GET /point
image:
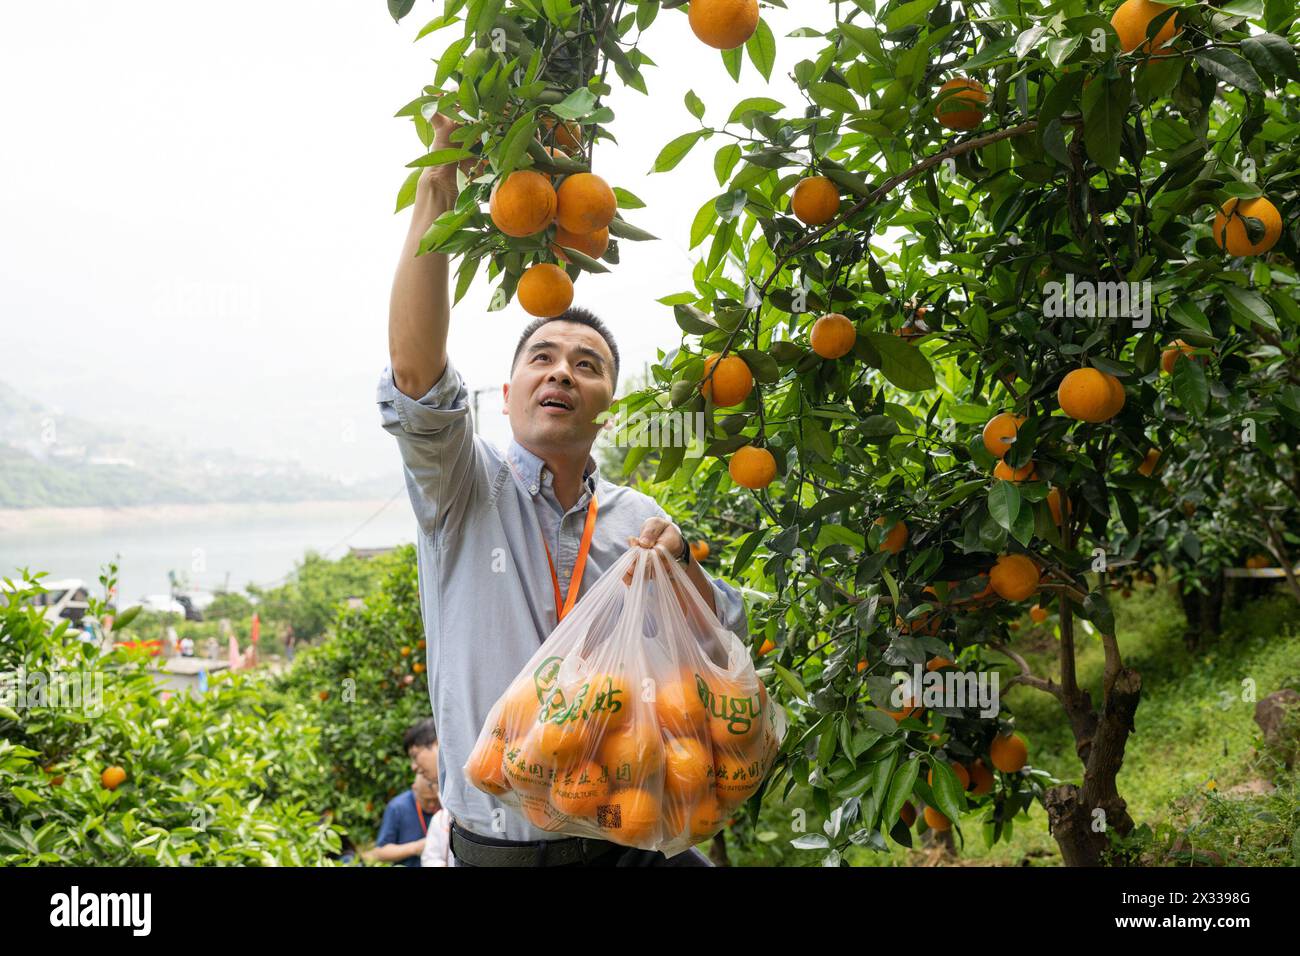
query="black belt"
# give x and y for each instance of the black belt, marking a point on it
(475, 850)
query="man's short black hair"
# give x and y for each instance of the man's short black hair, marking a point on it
(424, 734)
(573, 314)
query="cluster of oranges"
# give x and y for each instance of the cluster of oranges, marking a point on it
(1007, 752)
(592, 758)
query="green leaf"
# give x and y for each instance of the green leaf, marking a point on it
(1230, 68)
(746, 551)
(694, 104)
(1186, 313)
(1097, 609)
(1191, 387)
(1004, 503)
(903, 364)
(791, 681)
(439, 157)
(908, 14)
(1105, 103)
(399, 8)
(947, 790)
(1271, 54)
(676, 151)
(900, 788)
(755, 104)
(834, 97)
(1252, 306)
(761, 47)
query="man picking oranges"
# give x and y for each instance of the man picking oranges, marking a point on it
(508, 539)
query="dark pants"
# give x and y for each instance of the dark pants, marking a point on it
(615, 856)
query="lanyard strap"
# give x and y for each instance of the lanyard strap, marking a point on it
(419, 814)
(563, 606)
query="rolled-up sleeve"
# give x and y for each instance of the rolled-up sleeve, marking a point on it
(730, 607)
(438, 448)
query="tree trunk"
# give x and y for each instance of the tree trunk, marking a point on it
(1203, 610)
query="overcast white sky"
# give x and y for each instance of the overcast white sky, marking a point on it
(196, 212)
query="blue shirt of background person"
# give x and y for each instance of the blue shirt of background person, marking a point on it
(404, 822)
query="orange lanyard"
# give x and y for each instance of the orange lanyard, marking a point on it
(563, 606)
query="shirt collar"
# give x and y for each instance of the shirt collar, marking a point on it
(532, 470)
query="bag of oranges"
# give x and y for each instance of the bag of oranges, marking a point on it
(639, 721)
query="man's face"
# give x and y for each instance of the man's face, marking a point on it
(424, 761)
(426, 794)
(562, 381)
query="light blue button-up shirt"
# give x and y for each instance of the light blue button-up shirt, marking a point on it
(485, 586)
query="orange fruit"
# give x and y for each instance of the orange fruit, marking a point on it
(112, 777)
(1149, 462)
(522, 204)
(907, 710)
(936, 820)
(404, 650)
(679, 708)
(1170, 355)
(723, 24)
(324, 695)
(686, 768)
(1014, 577)
(528, 769)
(568, 137)
(632, 755)
(1000, 432)
(935, 663)
(767, 647)
(833, 336)
(1090, 395)
(981, 779)
(895, 538)
(699, 550)
(963, 775)
(1008, 753)
(1228, 221)
(730, 382)
(815, 201)
(1038, 613)
(519, 711)
(580, 789)
(1054, 504)
(734, 714)
(585, 203)
(964, 109)
(738, 770)
(706, 817)
(484, 770)
(862, 665)
(417, 667)
(562, 743)
(1007, 473)
(593, 244)
(927, 623)
(545, 290)
(907, 814)
(752, 467)
(1130, 22)
(632, 816)
(608, 701)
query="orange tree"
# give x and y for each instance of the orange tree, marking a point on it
(98, 769)
(951, 271)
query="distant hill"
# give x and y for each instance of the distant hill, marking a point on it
(48, 459)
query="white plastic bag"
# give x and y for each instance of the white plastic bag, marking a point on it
(640, 720)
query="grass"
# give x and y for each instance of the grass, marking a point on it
(1195, 739)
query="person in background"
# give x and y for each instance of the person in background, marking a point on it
(406, 821)
(437, 842)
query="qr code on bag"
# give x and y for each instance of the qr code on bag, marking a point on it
(610, 816)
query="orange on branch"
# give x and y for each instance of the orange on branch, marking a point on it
(568, 136)
(522, 204)
(1038, 613)
(723, 24)
(545, 290)
(1228, 223)
(815, 200)
(1169, 357)
(936, 821)
(1149, 463)
(1130, 21)
(1014, 577)
(752, 467)
(731, 380)
(1008, 753)
(981, 779)
(964, 109)
(1005, 472)
(593, 244)
(112, 777)
(1000, 433)
(895, 538)
(962, 774)
(833, 336)
(1090, 395)
(585, 203)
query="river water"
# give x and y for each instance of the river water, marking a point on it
(212, 546)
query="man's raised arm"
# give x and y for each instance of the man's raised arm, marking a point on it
(419, 310)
